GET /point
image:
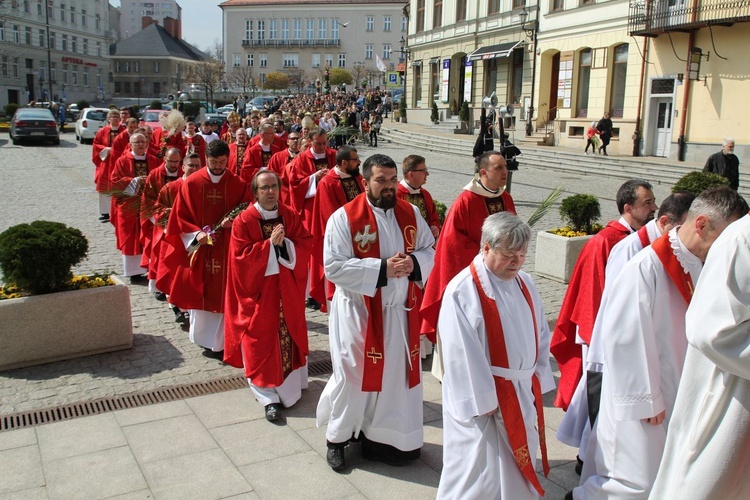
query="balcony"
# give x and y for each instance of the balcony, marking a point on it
(292, 43)
(654, 17)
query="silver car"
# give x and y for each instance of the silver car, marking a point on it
(34, 124)
(89, 122)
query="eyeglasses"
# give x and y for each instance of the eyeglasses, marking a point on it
(420, 170)
(274, 187)
(356, 158)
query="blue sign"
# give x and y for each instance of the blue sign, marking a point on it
(392, 78)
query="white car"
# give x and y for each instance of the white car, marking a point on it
(89, 122)
(225, 110)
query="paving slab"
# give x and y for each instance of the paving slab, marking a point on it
(17, 438)
(31, 494)
(151, 413)
(224, 408)
(168, 438)
(20, 469)
(257, 441)
(79, 436)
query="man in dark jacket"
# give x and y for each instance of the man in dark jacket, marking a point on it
(725, 163)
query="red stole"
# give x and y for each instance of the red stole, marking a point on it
(366, 245)
(507, 398)
(643, 236)
(681, 279)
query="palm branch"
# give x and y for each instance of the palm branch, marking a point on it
(546, 205)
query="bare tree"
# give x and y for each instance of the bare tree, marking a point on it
(208, 73)
(357, 73)
(374, 76)
(242, 76)
(216, 50)
(297, 78)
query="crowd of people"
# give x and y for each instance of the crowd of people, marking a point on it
(240, 230)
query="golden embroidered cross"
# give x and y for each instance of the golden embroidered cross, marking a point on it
(415, 352)
(214, 196)
(213, 266)
(374, 356)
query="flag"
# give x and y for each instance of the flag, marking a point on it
(380, 64)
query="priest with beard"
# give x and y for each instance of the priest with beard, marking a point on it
(377, 248)
(200, 223)
(266, 330)
(237, 151)
(128, 179)
(337, 188)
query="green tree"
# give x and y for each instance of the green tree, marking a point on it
(276, 80)
(340, 76)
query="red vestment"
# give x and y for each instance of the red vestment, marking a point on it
(333, 193)
(198, 281)
(280, 145)
(255, 160)
(104, 138)
(236, 157)
(265, 331)
(300, 170)
(161, 141)
(155, 181)
(196, 144)
(457, 246)
(227, 136)
(579, 308)
(278, 163)
(163, 209)
(127, 223)
(423, 201)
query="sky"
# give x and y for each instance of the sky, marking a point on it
(201, 21)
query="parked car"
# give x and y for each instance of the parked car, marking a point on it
(34, 124)
(225, 110)
(215, 118)
(258, 103)
(150, 117)
(89, 122)
(72, 112)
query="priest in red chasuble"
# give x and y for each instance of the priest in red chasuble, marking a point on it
(169, 171)
(237, 151)
(257, 156)
(198, 234)
(377, 248)
(128, 179)
(337, 188)
(495, 351)
(265, 329)
(411, 188)
(104, 161)
(280, 161)
(307, 170)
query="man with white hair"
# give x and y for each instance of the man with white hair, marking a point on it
(493, 421)
(644, 349)
(725, 164)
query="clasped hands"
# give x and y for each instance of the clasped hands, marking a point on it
(277, 235)
(399, 266)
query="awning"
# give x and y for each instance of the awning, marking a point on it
(416, 63)
(435, 60)
(493, 51)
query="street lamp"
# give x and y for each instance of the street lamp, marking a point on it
(531, 34)
(405, 56)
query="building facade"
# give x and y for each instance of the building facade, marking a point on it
(55, 49)
(304, 37)
(133, 11)
(153, 63)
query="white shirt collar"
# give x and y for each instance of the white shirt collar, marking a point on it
(214, 178)
(266, 214)
(135, 156)
(341, 173)
(409, 188)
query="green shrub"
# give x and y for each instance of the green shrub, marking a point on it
(698, 181)
(191, 110)
(434, 116)
(10, 109)
(402, 107)
(580, 212)
(155, 104)
(38, 257)
(463, 113)
(441, 210)
(82, 104)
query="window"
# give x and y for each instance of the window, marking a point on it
(420, 16)
(584, 77)
(342, 60)
(65, 74)
(62, 12)
(137, 66)
(437, 14)
(127, 66)
(157, 88)
(64, 46)
(157, 67)
(16, 36)
(285, 29)
(316, 60)
(97, 22)
(619, 74)
(368, 51)
(72, 15)
(261, 29)
(99, 78)
(248, 29)
(98, 49)
(250, 60)
(461, 10)
(38, 7)
(272, 29)
(264, 60)
(117, 67)
(370, 23)
(26, 6)
(335, 29)
(2, 31)
(310, 29)
(42, 72)
(137, 87)
(322, 29)
(126, 87)
(386, 51)
(290, 60)
(4, 66)
(41, 38)
(329, 60)
(53, 72)
(52, 40)
(83, 23)
(27, 35)
(235, 60)
(517, 4)
(85, 45)
(262, 79)
(297, 29)
(386, 23)
(404, 22)
(517, 76)
(74, 44)
(85, 77)
(14, 67)
(558, 4)
(493, 7)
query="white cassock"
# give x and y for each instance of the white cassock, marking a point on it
(644, 350)
(708, 443)
(575, 428)
(477, 459)
(393, 416)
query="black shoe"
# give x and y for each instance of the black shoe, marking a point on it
(312, 304)
(579, 465)
(335, 458)
(138, 279)
(569, 495)
(161, 297)
(273, 412)
(379, 457)
(104, 218)
(213, 354)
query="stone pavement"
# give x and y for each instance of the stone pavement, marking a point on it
(163, 450)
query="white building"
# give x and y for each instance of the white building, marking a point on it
(132, 13)
(308, 35)
(56, 49)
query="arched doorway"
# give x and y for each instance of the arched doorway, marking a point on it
(548, 84)
(457, 75)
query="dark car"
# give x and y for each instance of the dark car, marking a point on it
(34, 124)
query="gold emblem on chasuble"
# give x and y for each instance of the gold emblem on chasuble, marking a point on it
(266, 155)
(365, 238)
(141, 168)
(320, 163)
(494, 205)
(214, 196)
(418, 201)
(522, 456)
(410, 238)
(352, 188)
(213, 266)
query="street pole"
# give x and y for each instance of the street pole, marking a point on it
(49, 50)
